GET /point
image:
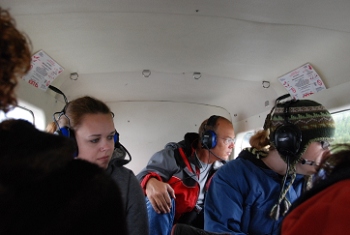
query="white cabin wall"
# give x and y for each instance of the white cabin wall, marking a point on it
(145, 127)
(45, 102)
(335, 98)
(253, 123)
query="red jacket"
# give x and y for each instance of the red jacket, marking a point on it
(173, 166)
(326, 212)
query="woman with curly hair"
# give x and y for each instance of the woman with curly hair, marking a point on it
(325, 208)
(14, 61)
(42, 190)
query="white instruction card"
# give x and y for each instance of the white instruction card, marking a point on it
(43, 71)
(302, 82)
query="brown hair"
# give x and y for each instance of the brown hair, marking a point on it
(78, 108)
(260, 140)
(14, 61)
(339, 159)
(51, 127)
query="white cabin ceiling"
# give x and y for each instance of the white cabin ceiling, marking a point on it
(235, 45)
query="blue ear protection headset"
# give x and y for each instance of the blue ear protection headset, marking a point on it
(209, 138)
(69, 133)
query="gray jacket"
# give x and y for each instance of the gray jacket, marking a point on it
(133, 197)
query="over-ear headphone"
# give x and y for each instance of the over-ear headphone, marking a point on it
(69, 133)
(116, 140)
(287, 137)
(209, 138)
(65, 130)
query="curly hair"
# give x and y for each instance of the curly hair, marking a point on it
(14, 61)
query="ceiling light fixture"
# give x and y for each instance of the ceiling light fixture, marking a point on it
(197, 75)
(74, 76)
(265, 84)
(146, 73)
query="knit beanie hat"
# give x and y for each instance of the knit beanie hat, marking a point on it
(293, 126)
(312, 121)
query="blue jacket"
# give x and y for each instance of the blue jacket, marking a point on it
(241, 195)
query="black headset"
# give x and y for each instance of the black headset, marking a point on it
(287, 137)
(209, 138)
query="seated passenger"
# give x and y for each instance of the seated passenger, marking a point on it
(325, 208)
(175, 179)
(44, 191)
(28, 151)
(251, 194)
(14, 61)
(90, 124)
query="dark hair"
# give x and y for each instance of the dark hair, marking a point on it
(260, 140)
(44, 191)
(336, 162)
(333, 169)
(14, 61)
(78, 198)
(27, 151)
(78, 108)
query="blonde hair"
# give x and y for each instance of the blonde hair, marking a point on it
(261, 141)
(51, 127)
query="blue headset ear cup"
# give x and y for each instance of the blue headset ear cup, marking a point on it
(65, 131)
(116, 137)
(116, 140)
(209, 139)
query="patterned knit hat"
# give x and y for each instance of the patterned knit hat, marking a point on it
(312, 120)
(293, 125)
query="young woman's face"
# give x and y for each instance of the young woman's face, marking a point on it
(315, 153)
(95, 139)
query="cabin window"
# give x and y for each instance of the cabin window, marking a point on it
(242, 141)
(27, 112)
(19, 112)
(342, 124)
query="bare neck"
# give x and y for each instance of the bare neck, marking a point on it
(205, 156)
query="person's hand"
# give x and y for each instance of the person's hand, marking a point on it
(159, 194)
